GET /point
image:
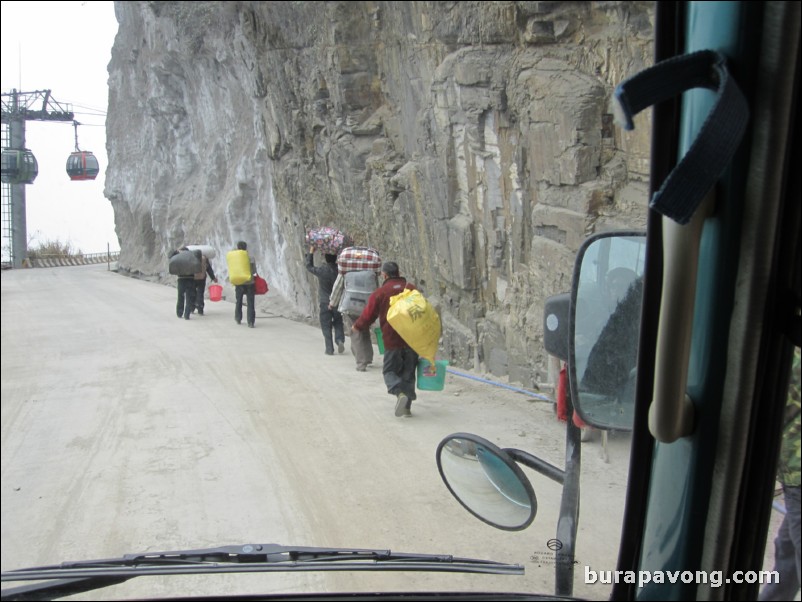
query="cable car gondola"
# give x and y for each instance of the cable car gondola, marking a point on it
(81, 165)
(19, 166)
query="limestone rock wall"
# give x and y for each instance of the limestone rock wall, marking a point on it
(471, 142)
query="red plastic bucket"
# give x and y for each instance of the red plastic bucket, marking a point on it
(215, 292)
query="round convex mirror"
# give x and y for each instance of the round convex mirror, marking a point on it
(486, 481)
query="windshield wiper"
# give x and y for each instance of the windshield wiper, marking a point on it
(86, 575)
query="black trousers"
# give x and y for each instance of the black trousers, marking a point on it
(249, 291)
(399, 371)
(186, 297)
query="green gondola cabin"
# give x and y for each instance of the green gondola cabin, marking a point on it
(19, 166)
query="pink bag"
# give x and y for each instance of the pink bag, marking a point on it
(327, 239)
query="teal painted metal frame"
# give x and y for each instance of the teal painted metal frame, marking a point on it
(682, 472)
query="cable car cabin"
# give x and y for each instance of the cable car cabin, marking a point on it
(18, 166)
(82, 165)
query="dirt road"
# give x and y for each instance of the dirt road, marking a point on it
(125, 429)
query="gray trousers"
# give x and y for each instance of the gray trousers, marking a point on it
(361, 346)
(331, 320)
(200, 291)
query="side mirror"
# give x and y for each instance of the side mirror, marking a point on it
(604, 328)
(486, 481)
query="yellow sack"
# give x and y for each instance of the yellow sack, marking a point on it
(239, 267)
(416, 321)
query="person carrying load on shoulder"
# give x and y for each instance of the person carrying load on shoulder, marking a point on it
(330, 318)
(358, 269)
(183, 264)
(200, 282)
(400, 360)
(241, 272)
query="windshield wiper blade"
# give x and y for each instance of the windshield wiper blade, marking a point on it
(263, 556)
(241, 558)
(59, 588)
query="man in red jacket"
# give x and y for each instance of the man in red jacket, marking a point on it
(400, 360)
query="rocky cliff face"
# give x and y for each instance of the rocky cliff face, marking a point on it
(471, 142)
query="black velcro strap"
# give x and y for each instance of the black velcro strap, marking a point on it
(718, 138)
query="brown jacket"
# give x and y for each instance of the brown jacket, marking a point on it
(207, 269)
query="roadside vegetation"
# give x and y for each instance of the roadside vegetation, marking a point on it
(53, 249)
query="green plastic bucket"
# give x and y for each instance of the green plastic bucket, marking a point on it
(431, 378)
(379, 340)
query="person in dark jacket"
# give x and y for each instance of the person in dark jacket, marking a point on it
(200, 282)
(330, 318)
(186, 292)
(400, 360)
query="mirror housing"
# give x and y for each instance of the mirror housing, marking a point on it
(604, 328)
(556, 317)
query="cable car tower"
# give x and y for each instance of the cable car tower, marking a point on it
(19, 166)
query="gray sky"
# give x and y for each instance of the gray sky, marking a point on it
(64, 47)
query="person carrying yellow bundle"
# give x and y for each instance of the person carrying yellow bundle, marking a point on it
(416, 320)
(239, 266)
(400, 360)
(241, 272)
